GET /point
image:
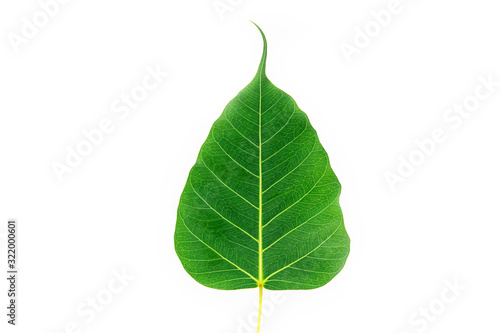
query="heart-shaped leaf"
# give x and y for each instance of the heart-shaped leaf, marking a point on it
(261, 204)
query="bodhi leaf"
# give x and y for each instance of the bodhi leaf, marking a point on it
(261, 204)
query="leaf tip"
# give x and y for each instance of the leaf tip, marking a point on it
(262, 65)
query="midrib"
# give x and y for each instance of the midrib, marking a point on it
(261, 268)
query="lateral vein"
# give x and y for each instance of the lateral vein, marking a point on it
(297, 227)
(250, 172)
(296, 202)
(199, 196)
(213, 173)
(317, 247)
(201, 241)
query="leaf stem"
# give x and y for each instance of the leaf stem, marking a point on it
(261, 291)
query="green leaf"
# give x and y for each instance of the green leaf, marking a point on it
(261, 204)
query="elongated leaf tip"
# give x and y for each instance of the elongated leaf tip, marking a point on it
(262, 66)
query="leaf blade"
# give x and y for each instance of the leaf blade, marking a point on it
(261, 206)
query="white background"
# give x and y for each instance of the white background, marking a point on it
(117, 209)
